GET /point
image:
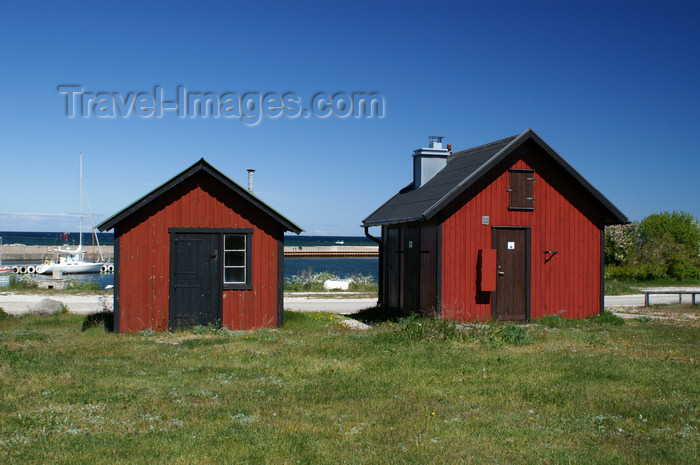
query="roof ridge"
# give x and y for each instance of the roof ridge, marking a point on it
(487, 145)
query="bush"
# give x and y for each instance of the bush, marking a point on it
(606, 318)
(514, 334)
(620, 242)
(662, 245)
(420, 328)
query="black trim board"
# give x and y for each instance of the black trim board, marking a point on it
(117, 286)
(616, 214)
(380, 255)
(171, 285)
(611, 214)
(528, 265)
(248, 285)
(438, 272)
(200, 166)
(280, 282)
(602, 269)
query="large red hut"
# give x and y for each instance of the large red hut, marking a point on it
(199, 249)
(506, 230)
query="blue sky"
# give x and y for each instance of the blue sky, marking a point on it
(611, 85)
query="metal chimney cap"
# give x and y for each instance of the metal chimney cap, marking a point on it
(435, 142)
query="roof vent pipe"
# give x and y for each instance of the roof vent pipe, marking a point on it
(251, 174)
(428, 161)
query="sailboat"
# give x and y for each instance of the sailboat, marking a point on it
(71, 261)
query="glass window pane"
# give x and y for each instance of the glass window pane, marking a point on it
(234, 242)
(234, 275)
(234, 258)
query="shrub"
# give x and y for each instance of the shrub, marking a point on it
(620, 242)
(606, 318)
(419, 328)
(514, 334)
(662, 245)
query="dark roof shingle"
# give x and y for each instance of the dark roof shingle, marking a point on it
(462, 170)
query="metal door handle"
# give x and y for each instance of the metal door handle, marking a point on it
(501, 273)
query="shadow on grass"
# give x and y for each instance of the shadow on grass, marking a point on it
(95, 320)
(378, 315)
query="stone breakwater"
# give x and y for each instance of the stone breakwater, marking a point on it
(32, 253)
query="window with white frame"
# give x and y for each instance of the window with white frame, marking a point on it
(236, 260)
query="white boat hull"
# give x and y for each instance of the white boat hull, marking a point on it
(70, 268)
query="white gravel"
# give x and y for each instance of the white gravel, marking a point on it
(18, 304)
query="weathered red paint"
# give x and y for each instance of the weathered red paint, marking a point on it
(563, 220)
(144, 250)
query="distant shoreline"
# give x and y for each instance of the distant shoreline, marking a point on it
(32, 253)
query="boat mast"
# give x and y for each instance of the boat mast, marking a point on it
(80, 242)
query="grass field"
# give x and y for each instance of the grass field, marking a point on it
(408, 391)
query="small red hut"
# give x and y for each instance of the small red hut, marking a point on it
(506, 230)
(199, 249)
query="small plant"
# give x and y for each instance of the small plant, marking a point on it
(313, 282)
(4, 314)
(418, 328)
(24, 281)
(514, 334)
(606, 318)
(78, 286)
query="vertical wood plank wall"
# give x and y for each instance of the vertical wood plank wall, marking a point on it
(565, 219)
(144, 267)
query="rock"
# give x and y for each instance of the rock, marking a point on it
(46, 307)
(336, 284)
(354, 324)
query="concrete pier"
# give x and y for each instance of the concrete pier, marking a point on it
(332, 251)
(34, 253)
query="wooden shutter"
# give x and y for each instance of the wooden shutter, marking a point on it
(522, 190)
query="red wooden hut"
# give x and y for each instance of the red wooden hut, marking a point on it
(506, 230)
(199, 249)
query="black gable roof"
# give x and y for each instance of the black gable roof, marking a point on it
(200, 166)
(462, 170)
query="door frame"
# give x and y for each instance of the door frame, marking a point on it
(528, 268)
(219, 285)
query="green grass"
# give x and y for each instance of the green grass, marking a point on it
(406, 391)
(623, 287)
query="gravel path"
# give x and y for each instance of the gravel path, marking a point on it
(18, 304)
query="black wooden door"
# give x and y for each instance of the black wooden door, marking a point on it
(410, 246)
(512, 297)
(195, 280)
(392, 259)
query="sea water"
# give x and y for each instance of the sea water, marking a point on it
(343, 267)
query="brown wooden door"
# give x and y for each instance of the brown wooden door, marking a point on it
(512, 299)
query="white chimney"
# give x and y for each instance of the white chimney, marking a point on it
(428, 161)
(251, 173)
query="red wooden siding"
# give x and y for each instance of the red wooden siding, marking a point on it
(564, 220)
(144, 267)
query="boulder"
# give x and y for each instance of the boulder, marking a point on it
(336, 284)
(46, 307)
